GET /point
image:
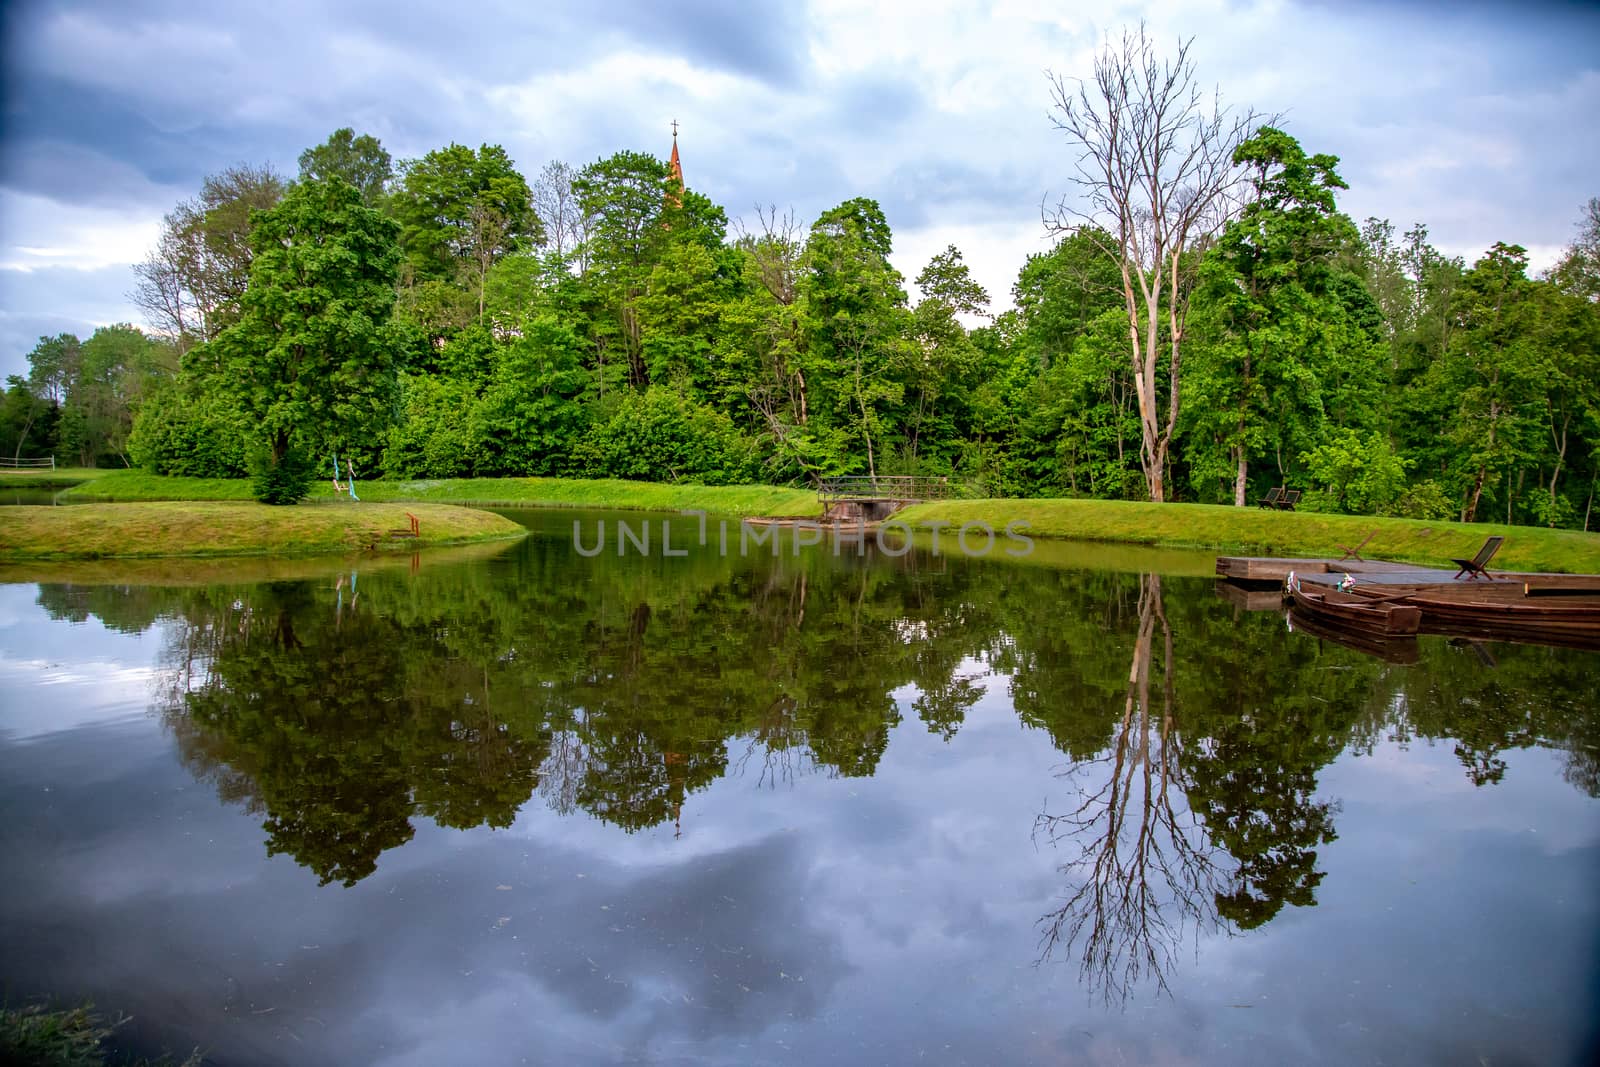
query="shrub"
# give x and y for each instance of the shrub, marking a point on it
(1425, 500)
(664, 436)
(1355, 474)
(194, 436)
(284, 479)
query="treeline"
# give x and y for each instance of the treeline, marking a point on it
(447, 317)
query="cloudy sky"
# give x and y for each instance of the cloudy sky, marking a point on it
(1475, 118)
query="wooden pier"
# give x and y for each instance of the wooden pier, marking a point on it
(1554, 609)
(1396, 577)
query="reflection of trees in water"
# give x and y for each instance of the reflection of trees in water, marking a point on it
(461, 693)
(1199, 810)
(341, 720)
(1147, 869)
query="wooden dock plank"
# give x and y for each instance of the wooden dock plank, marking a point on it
(1271, 569)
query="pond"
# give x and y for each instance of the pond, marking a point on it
(527, 804)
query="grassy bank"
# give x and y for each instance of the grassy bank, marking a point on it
(48, 479)
(1243, 531)
(238, 570)
(142, 530)
(1256, 532)
(736, 500)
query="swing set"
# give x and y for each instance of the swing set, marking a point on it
(349, 486)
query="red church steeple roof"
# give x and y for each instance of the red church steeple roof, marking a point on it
(676, 167)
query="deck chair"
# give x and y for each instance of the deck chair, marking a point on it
(1474, 568)
(1355, 553)
(1291, 497)
(1274, 495)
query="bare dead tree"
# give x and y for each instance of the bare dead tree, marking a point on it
(1155, 172)
(489, 230)
(189, 286)
(776, 246)
(1147, 869)
(778, 392)
(557, 207)
(562, 772)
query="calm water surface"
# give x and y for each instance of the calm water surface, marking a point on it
(518, 805)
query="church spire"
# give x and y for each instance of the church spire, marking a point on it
(676, 194)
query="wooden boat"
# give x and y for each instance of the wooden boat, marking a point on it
(1402, 650)
(1568, 617)
(1528, 616)
(1354, 612)
(1588, 641)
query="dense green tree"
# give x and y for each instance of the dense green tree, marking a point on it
(858, 331)
(663, 435)
(311, 360)
(1076, 412)
(361, 161)
(1281, 323)
(27, 421)
(624, 197)
(944, 366)
(1578, 272)
(115, 371)
(192, 429)
(53, 364)
(462, 211)
(530, 414)
(1492, 372)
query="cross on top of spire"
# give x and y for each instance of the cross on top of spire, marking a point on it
(675, 168)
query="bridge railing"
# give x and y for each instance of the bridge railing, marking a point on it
(885, 487)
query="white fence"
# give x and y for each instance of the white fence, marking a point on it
(46, 464)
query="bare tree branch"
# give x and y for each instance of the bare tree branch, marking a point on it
(1155, 171)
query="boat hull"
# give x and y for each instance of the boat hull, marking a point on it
(1358, 613)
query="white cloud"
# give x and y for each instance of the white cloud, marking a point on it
(46, 231)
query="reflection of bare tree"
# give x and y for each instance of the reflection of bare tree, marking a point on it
(189, 647)
(782, 741)
(563, 769)
(1148, 870)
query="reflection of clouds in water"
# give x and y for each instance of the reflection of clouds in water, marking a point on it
(817, 918)
(36, 648)
(642, 956)
(16, 608)
(40, 697)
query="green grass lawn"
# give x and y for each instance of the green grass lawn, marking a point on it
(736, 500)
(1226, 530)
(210, 528)
(1259, 532)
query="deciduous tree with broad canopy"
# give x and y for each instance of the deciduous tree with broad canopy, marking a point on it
(311, 360)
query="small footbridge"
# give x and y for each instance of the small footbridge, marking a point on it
(864, 498)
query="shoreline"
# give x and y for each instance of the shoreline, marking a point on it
(1215, 528)
(211, 529)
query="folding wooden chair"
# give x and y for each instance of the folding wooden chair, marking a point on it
(1274, 495)
(1355, 553)
(1290, 498)
(1474, 568)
